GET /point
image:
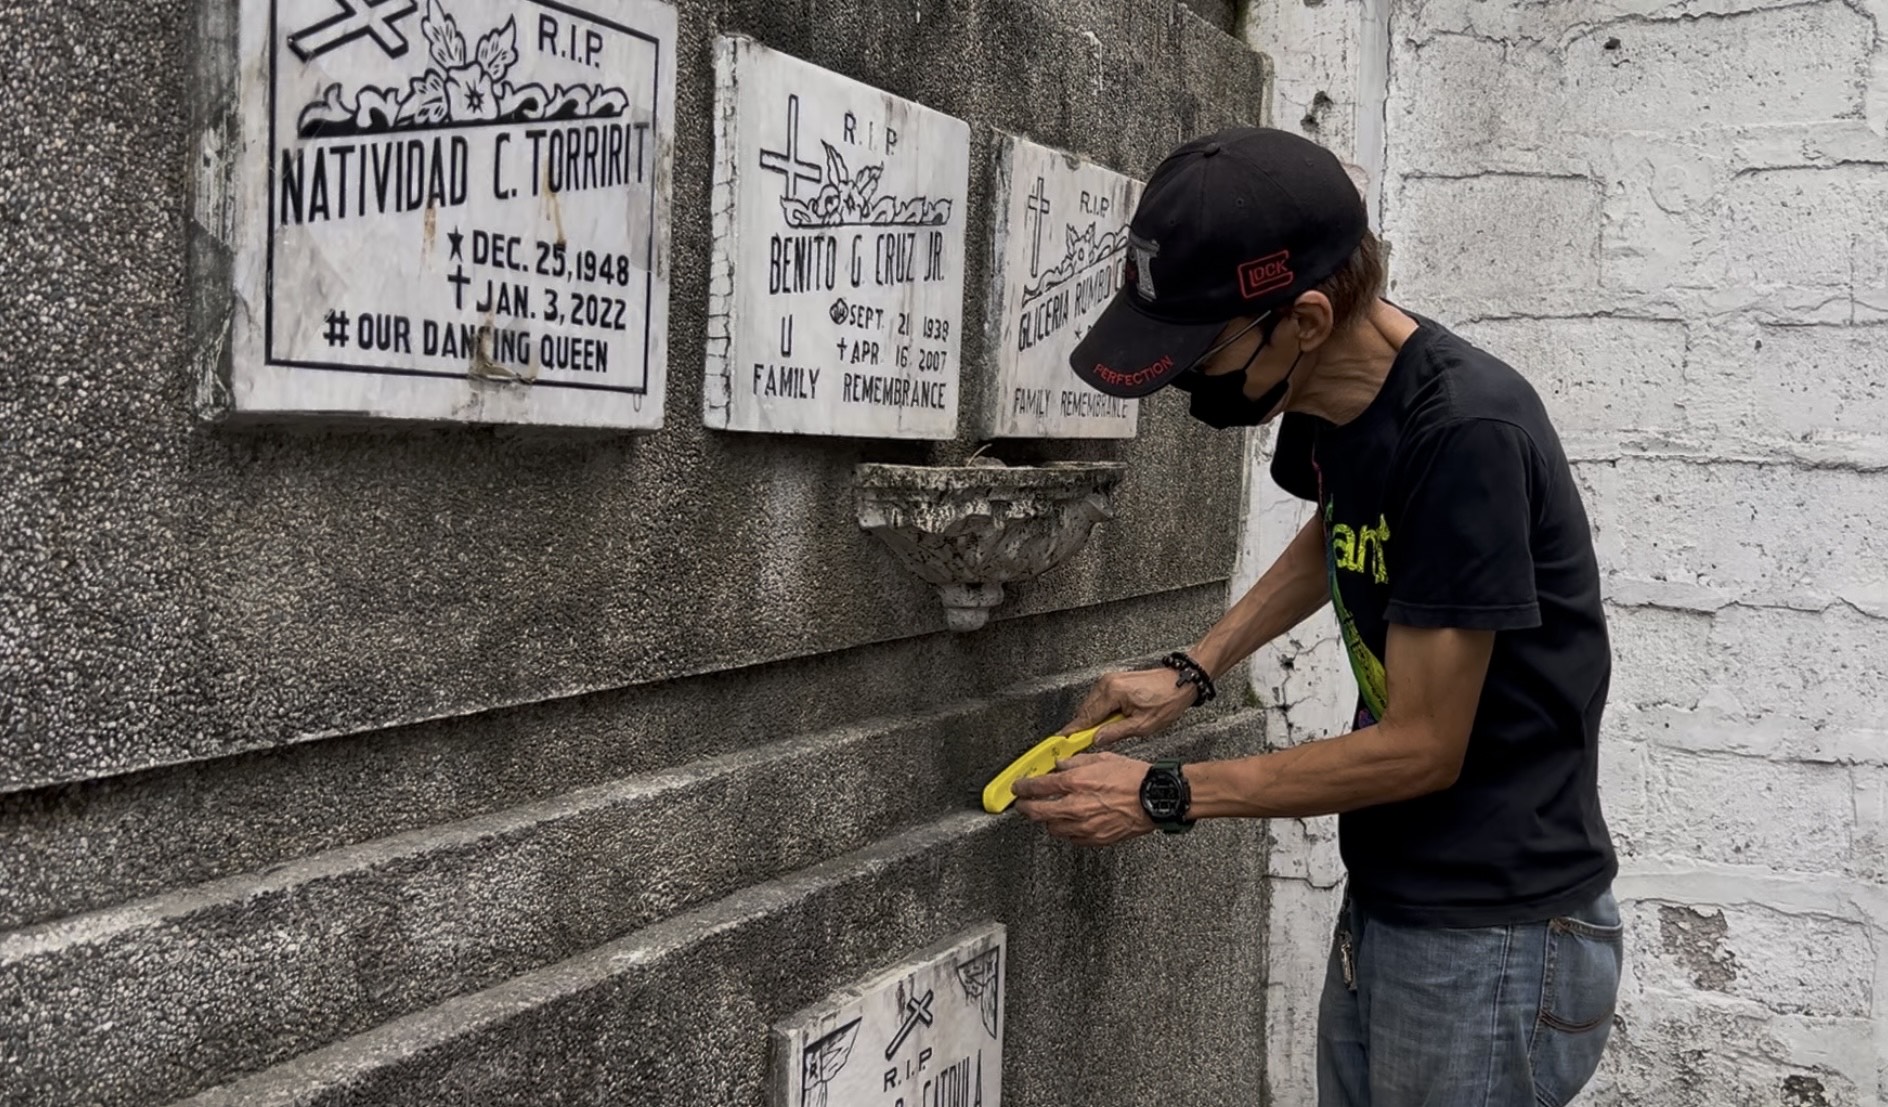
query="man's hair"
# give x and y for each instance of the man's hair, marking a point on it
(1357, 283)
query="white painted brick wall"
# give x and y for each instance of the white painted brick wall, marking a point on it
(1475, 232)
(1821, 380)
(1673, 217)
(1595, 373)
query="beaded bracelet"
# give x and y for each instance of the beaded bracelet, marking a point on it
(1192, 673)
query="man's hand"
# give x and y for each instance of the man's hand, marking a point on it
(1092, 799)
(1147, 701)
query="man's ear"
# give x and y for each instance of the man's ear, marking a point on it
(1314, 317)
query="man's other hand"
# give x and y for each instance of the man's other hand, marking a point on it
(1147, 701)
(1092, 799)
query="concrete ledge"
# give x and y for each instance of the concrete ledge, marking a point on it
(92, 845)
(683, 1005)
(247, 971)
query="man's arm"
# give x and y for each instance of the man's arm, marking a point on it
(1291, 590)
(1434, 684)
(1149, 701)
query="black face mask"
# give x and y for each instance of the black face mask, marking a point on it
(1221, 401)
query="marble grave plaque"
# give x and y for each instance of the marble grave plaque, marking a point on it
(925, 1033)
(836, 295)
(1060, 245)
(450, 210)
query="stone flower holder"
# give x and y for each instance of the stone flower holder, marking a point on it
(968, 530)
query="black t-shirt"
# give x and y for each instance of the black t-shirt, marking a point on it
(1449, 503)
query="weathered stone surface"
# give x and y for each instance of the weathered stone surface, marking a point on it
(1300, 926)
(1223, 14)
(323, 727)
(1671, 74)
(641, 1013)
(1625, 786)
(1796, 650)
(1585, 79)
(339, 942)
(970, 530)
(1869, 861)
(1481, 136)
(1823, 207)
(100, 843)
(1795, 381)
(176, 593)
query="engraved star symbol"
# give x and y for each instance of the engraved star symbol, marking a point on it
(458, 240)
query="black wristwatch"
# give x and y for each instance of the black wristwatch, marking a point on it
(1166, 797)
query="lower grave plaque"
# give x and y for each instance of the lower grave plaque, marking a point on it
(444, 210)
(837, 284)
(925, 1033)
(1061, 243)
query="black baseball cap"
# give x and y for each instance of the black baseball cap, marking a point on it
(1234, 223)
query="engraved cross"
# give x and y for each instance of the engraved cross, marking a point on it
(787, 162)
(355, 19)
(916, 1011)
(1038, 212)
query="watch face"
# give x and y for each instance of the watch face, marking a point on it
(1160, 794)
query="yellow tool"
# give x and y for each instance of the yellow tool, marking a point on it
(999, 793)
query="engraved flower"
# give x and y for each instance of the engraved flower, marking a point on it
(425, 102)
(826, 205)
(469, 94)
(823, 1060)
(498, 50)
(464, 84)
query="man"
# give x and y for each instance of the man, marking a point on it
(1477, 954)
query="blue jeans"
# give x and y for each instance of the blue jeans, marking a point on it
(1503, 1016)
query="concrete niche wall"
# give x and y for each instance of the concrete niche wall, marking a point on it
(458, 764)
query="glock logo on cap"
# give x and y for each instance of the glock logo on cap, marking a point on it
(1140, 267)
(1266, 274)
